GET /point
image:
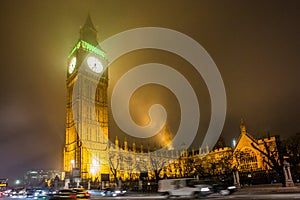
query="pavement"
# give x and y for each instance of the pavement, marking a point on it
(250, 190)
(255, 189)
(268, 189)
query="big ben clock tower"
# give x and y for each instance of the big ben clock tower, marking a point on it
(85, 151)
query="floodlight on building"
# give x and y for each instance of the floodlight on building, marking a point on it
(233, 142)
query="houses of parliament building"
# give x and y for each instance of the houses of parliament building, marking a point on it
(89, 155)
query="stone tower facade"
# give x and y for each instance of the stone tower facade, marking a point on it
(85, 151)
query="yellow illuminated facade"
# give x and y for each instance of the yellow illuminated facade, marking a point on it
(246, 157)
(191, 163)
(85, 151)
(88, 155)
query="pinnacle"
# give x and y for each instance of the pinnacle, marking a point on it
(89, 24)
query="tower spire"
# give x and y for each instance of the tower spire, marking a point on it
(243, 126)
(117, 142)
(88, 32)
(89, 23)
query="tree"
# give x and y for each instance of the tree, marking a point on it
(157, 164)
(190, 169)
(225, 163)
(199, 167)
(212, 167)
(273, 156)
(292, 145)
(132, 165)
(220, 143)
(114, 163)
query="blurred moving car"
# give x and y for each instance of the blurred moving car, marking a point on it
(7, 193)
(29, 193)
(17, 193)
(82, 193)
(112, 192)
(184, 187)
(40, 193)
(52, 191)
(192, 187)
(223, 189)
(64, 194)
(76, 193)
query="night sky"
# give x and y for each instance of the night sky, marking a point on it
(255, 45)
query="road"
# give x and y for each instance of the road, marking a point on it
(282, 196)
(217, 197)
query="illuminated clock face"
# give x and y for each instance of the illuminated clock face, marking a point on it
(72, 65)
(95, 64)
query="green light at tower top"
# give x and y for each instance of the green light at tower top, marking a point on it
(88, 47)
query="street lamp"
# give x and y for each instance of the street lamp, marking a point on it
(95, 167)
(72, 163)
(17, 182)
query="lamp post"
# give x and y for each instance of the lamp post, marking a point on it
(236, 177)
(71, 178)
